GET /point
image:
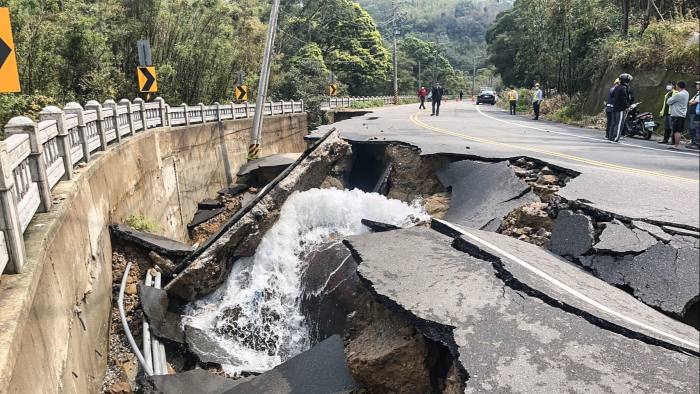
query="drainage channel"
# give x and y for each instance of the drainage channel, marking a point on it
(277, 279)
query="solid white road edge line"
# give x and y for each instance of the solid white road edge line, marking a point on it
(568, 289)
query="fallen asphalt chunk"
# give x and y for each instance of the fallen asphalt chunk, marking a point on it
(508, 337)
(260, 172)
(618, 239)
(681, 231)
(234, 190)
(573, 234)
(209, 203)
(203, 216)
(161, 245)
(654, 230)
(194, 381)
(321, 370)
(483, 193)
(379, 227)
(163, 323)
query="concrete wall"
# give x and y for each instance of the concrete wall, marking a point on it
(54, 317)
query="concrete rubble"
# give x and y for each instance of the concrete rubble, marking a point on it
(510, 330)
(240, 239)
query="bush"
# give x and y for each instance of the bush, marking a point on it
(140, 223)
(367, 104)
(12, 105)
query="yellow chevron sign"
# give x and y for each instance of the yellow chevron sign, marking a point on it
(9, 77)
(241, 93)
(332, 89)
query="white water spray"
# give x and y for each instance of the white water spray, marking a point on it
(255, 315)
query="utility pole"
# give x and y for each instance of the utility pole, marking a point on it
(474, 78)
(437, 43)
(396, 32)
(419, 79)
(254, 148)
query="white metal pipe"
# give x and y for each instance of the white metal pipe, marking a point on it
(125, 325)
(148, 354)
(162, 360)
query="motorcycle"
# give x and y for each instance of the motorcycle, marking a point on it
(639, 124)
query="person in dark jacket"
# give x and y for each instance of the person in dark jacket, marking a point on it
(437, 93)
(666, 111)
(609, 109)
(621, 102)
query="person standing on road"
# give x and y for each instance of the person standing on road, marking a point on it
(620, 100)
(461, 95)
(422, 94)
(609, 109)
(513, 99)
(537, 98)
(679, 109)
(666, 111)
(437, 93)
(695, 119)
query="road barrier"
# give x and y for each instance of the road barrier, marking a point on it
(345, 102)
(34, 157)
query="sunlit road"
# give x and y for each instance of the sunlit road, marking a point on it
(635, 179)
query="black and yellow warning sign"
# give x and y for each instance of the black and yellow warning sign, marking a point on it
(147, 79)
(241, 93)
(253, 151)
(9, 77)
(332, 89)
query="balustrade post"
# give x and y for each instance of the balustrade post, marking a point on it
(115, 113)
(233, 110)
(168, 115)
(76, 109)
(37, 162)
(141, 111)
(302, 106)
(93, 105)
(187, 114)
(247, 113)
(130, 115)
(218, 111)
(55, 113)
(11, 224)
(164, 121)
(202, 112)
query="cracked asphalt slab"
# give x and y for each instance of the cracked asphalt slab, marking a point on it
(636, 179)
(509, 338)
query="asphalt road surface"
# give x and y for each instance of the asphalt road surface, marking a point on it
(636, 179)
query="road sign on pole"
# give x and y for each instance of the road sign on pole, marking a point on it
(147, 79)
(241, 78)
(144, 47)
(9, 76)
(241, 93)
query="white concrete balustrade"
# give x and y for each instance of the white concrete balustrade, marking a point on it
(35, 156)
(345, 102)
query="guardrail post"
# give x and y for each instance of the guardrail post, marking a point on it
(55, 113)
(115, 112)
(233, 110)
(302, 106)
(130, 115)
(164, 120)
(11, 225)
(93, 105)
(37, 163)
(247, 113)
(75, 108)
(218, 111)
(168, 115)
(203, 112)
(187, 114)
(142, 112)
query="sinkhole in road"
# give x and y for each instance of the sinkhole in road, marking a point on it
(257, 314)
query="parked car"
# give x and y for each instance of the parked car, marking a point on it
(487, 97)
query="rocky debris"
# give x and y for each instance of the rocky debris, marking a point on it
(413, 175)
(544, 181)
(618, 239)
(437, 205)
(241, 235)
(483, 193)
(681, 231)
(260, 172)
(163, 322)
(498, 322)
(573, 234)
(378, 227)
(152, 242)
(194, 381)
(529, 223)
(231, 205)
(655, 231)
(119, 388)
(166, 266)
(320, 370)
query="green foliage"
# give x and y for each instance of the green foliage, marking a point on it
(367, 104)
(140, 223)
(12, 105)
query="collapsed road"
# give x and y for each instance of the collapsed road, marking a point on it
(506, 293)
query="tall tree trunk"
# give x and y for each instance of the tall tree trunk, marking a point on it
(625, 16)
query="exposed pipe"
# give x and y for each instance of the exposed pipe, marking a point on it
(148, 354)
(125, 325)
(159, 346)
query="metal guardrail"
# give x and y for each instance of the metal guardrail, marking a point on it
(36, 156)
(345, 102)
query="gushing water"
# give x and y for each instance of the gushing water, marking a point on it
(255, 315)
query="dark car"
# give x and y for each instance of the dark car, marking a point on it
(487, 97)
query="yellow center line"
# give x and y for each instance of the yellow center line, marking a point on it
(414, 119)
